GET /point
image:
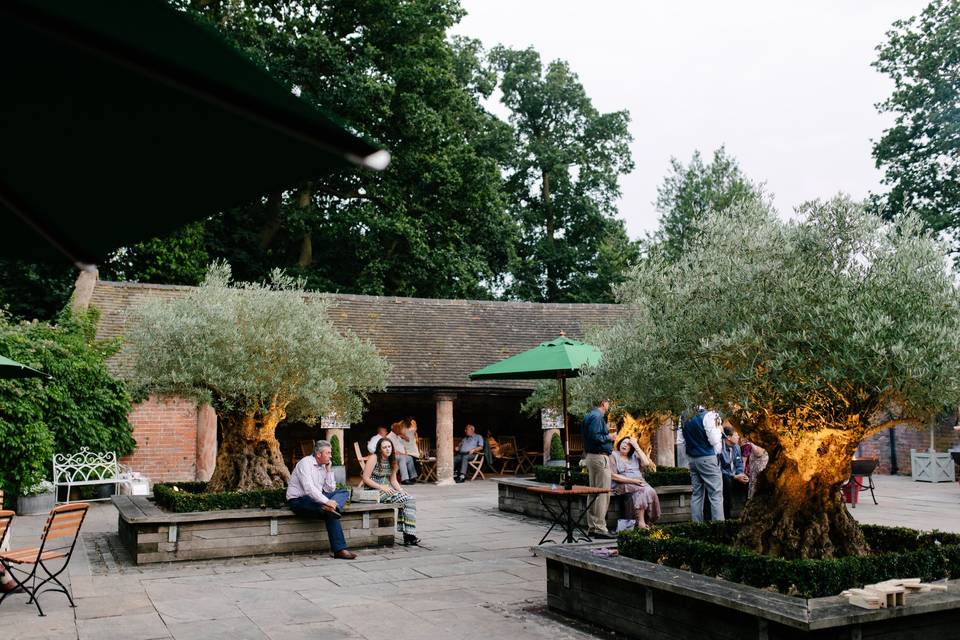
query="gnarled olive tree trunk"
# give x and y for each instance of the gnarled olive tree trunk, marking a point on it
(249, 456)
(797, 510)
(641, 429)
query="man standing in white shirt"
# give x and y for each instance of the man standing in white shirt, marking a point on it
(313, 492)
(702, 439)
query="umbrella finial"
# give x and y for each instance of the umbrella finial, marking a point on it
(563, 333)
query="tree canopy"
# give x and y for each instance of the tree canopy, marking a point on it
(253, 347)
(920, 153)
(689, 193)
(809, 335)
(563, 182)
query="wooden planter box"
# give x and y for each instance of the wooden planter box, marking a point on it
(935, 467)
(152, 535)
(674, 502)
(653, 602)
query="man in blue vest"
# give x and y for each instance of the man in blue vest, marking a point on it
(701, 437)
(597, 447)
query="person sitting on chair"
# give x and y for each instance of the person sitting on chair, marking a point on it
(471, 445)
(313, 492)
(401, 448)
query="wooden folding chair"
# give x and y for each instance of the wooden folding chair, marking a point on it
(476, 463)
(507, 455)
(361, 459)
(61, 529)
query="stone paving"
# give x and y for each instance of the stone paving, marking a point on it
(474, 577)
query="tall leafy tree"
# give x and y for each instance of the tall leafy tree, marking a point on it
(563, 182)
(261, 353)
(35, 290)
(920, 153)
(689, 193)
(434, 223)
(809, 336)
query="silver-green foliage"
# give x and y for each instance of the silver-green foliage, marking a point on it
(838, 312)
(253, 347)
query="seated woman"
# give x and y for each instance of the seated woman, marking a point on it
(625, 470)
(380, 472)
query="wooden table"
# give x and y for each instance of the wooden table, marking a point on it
(563, 514)
(428, 469)
(526, 460)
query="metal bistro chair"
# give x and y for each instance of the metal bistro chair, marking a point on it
(63, 526)
(862, 468)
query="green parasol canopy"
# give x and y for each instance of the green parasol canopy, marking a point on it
(12, 369)
(562, 357)
(122, 121)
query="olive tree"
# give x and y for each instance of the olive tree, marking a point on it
(261, 353)
(809, 336)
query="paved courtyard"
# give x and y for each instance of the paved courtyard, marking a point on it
(474, 577)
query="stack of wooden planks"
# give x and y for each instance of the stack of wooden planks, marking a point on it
(889, 593)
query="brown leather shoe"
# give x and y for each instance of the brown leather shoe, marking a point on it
(344, 554)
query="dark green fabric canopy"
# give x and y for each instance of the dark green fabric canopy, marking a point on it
(12, 369)
(122, 121)
(562, 357)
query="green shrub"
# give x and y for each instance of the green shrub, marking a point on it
(336, 458)
(706, 548)
(664, 476)
(556, 448)
(82, 405)
(191, 496)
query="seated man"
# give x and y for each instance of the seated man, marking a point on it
(372, 442)
(313, 492)
(470, 445)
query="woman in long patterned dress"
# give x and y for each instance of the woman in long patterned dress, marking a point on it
(625, 470)
(380, 472)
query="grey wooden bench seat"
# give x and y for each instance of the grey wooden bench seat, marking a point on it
(152, 535)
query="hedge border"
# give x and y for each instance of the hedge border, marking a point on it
(192, 496)
(706, 548)
(663, 476)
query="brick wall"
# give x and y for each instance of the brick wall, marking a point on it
(166, 433)
(906, 438)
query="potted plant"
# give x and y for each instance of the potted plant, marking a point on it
(36, 499)
(336, 458)
(557, 454)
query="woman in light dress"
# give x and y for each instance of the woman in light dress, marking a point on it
(380, 472)
(626, 465)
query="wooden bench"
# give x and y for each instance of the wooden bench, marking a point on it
(86, 468)
(152, 535)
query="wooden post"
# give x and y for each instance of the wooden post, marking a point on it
(444, 437)
(664, 444)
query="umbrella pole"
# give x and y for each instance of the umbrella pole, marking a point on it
(567, 478)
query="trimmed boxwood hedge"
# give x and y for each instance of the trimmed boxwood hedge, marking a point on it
(706, 548)
(191, 496)
(663, 476)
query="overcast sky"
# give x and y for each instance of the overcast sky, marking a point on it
(786, 86)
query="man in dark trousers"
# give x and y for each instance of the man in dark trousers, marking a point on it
(597, 447)
(701, 437)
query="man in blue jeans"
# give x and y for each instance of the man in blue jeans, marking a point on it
(312, 492)
(701, 437)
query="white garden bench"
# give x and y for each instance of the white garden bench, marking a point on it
(86, 468)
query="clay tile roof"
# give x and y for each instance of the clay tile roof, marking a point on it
(429, 343)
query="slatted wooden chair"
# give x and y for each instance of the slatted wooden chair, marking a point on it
(476, 461)
(51, 558)
(506, 455)
(361, 460)
(6, 519)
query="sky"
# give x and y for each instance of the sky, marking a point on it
(786, 86)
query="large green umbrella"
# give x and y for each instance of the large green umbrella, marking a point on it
(561, 358)
(122, 121)
(12, 369)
